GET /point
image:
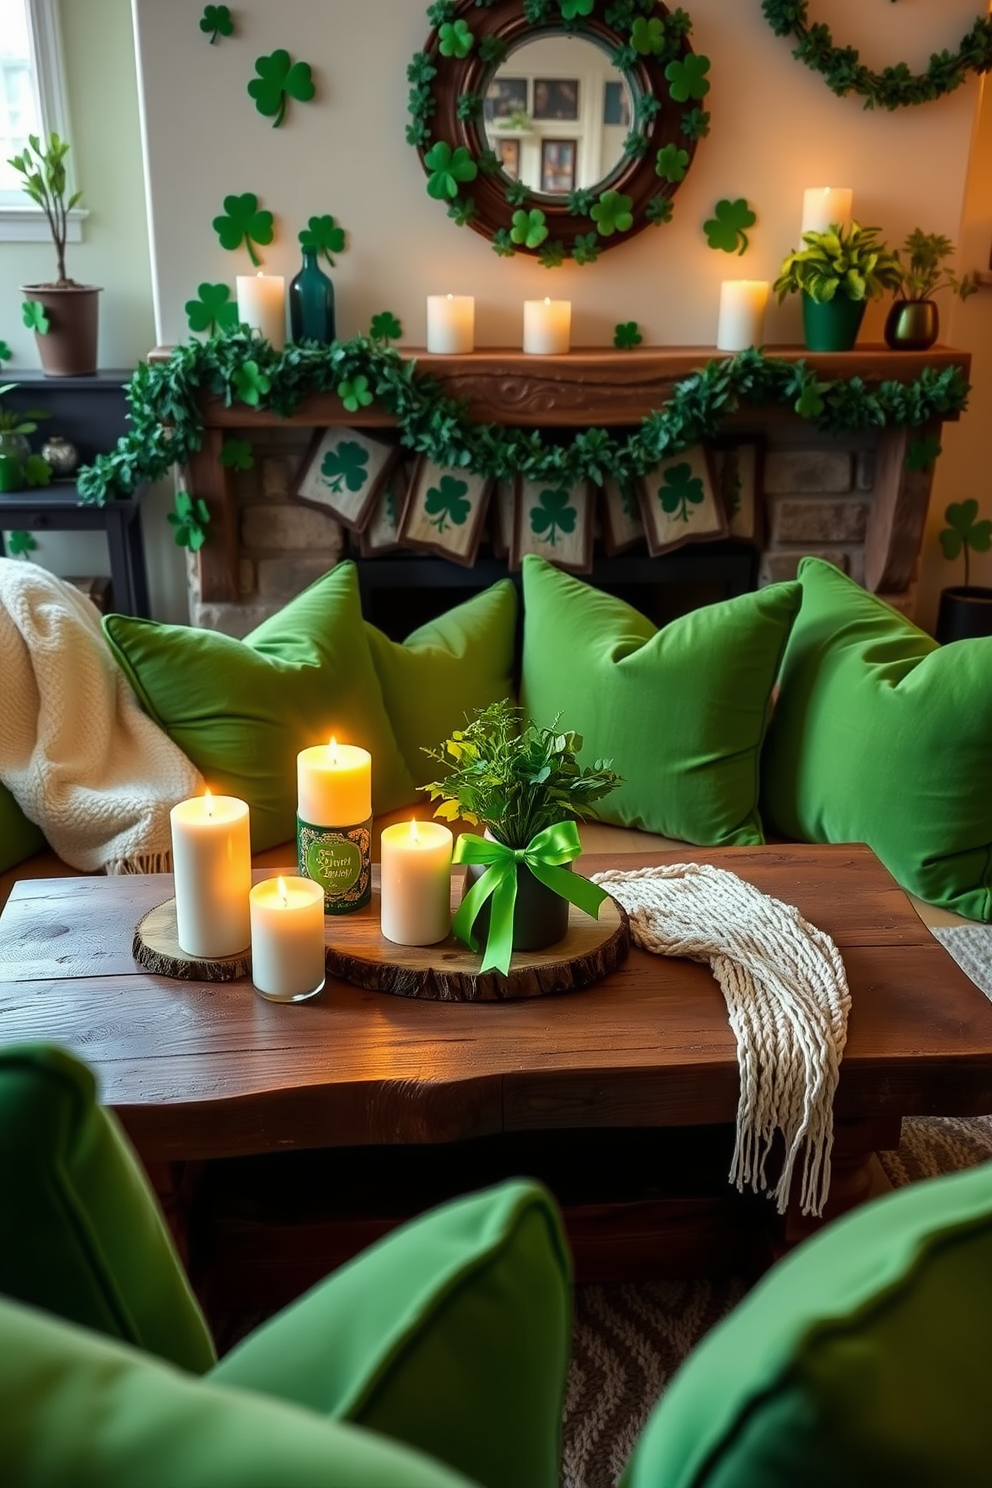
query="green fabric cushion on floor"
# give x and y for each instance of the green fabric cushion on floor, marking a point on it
(862, 1359)
(681, 712)
(882, 736)
(80, 1232)
(19, 838)
(450, 1334)
(440, 675)
(243, 710)
(82, 1410)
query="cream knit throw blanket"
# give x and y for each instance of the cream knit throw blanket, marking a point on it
(76, 751)
(786, 992)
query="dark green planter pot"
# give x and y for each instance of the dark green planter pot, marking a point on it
(833, 326)
(964, 614)
(912, 325)
(540, 917)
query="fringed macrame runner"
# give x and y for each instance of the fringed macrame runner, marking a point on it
(787, 998)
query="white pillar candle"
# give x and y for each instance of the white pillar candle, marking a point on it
(416, 883)
(826, 206)
(742, 314)
(262, 305)
(211, 861)
(334, 784)
(287, 938)
(450, 323)
(547, 326)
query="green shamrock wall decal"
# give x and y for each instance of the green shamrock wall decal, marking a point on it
(323, 235)
(279, 79)
(572, 9)
(922, 453)
(354, 393)
(726, 228)
(37, 471)
(552, 515)
(687, 78)
(447, 168)
(612, 213)
(236, 454)
(529, 228)
(343, 468)
(385, 328)
(5, 352)
(189, 521)
(672, 163)
(34, 317)
(250, 382)
(455, 39)
(20, 544)
(626, 335)
(244, 222)
(680, 489)
(216, 22)
(648, 37)
(213, 310)
(964, 533)
(447, 502)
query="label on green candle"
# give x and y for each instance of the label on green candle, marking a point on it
(340, 860)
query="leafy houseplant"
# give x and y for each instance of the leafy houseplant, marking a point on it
(913, 322)
(837, 273)
(966, 609)
(62, 313)
(15, 451)
(527, 788)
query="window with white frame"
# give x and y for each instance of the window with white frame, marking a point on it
(32, 101)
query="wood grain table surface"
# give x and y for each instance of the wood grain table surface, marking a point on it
(199, 1070)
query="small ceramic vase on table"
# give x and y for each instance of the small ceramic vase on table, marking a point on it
(311, 302)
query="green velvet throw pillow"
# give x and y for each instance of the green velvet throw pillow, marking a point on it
(81, 1233)
(451, 1335)
(882, 736)
(441, 674)
(243, 710)
(89, 1411)
(19, 838)
(862, 1359)
(681, 712)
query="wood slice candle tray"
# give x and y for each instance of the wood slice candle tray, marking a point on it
(449, 972)
(156, 947)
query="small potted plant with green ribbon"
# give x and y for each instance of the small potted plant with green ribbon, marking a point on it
(525, 786)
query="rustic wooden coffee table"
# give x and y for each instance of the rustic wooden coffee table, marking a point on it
(204, 1072)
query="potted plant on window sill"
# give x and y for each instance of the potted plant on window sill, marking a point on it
(913, 322)
(837, 273)
(63, 314)
(965, 610)
(526, 788)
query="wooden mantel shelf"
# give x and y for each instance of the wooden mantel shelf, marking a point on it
(591, 386)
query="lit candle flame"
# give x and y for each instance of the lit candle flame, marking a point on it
(547, 299)
(282, 891)
(208, 802)
(451, 297)
(414, 834)
(332, 750)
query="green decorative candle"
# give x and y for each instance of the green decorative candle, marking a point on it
(334, 823)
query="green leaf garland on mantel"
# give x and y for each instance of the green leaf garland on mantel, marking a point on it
(894, 87)
(279, 79)
(244, 222)
(166, 422)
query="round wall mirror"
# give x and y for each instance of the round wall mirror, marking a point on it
(553, 132)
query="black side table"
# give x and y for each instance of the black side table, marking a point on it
(91, 412)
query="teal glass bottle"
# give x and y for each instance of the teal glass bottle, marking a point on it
(311, 302)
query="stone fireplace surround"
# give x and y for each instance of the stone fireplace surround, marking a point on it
(849, 499)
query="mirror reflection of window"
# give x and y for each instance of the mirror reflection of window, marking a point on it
(560, 92)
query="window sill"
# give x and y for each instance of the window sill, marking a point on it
(30, 225)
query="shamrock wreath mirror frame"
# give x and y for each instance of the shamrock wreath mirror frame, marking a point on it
(649, 46)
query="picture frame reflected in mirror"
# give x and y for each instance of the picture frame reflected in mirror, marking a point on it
(558, 166)
(556, 98)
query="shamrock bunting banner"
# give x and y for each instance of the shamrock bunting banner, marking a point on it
(445, 512)
(555, 521)
(679, 503)
(343, 472)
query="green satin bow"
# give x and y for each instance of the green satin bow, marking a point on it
(543, 855)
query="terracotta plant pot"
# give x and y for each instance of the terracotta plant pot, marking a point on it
(912, 325)
(68, 348)
(540, 917)
(964, 614)
(833, 325)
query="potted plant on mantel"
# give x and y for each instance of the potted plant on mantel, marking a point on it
(913, 322)
(965, 610)
(526, 788)
(837, 273)
(63, 314)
